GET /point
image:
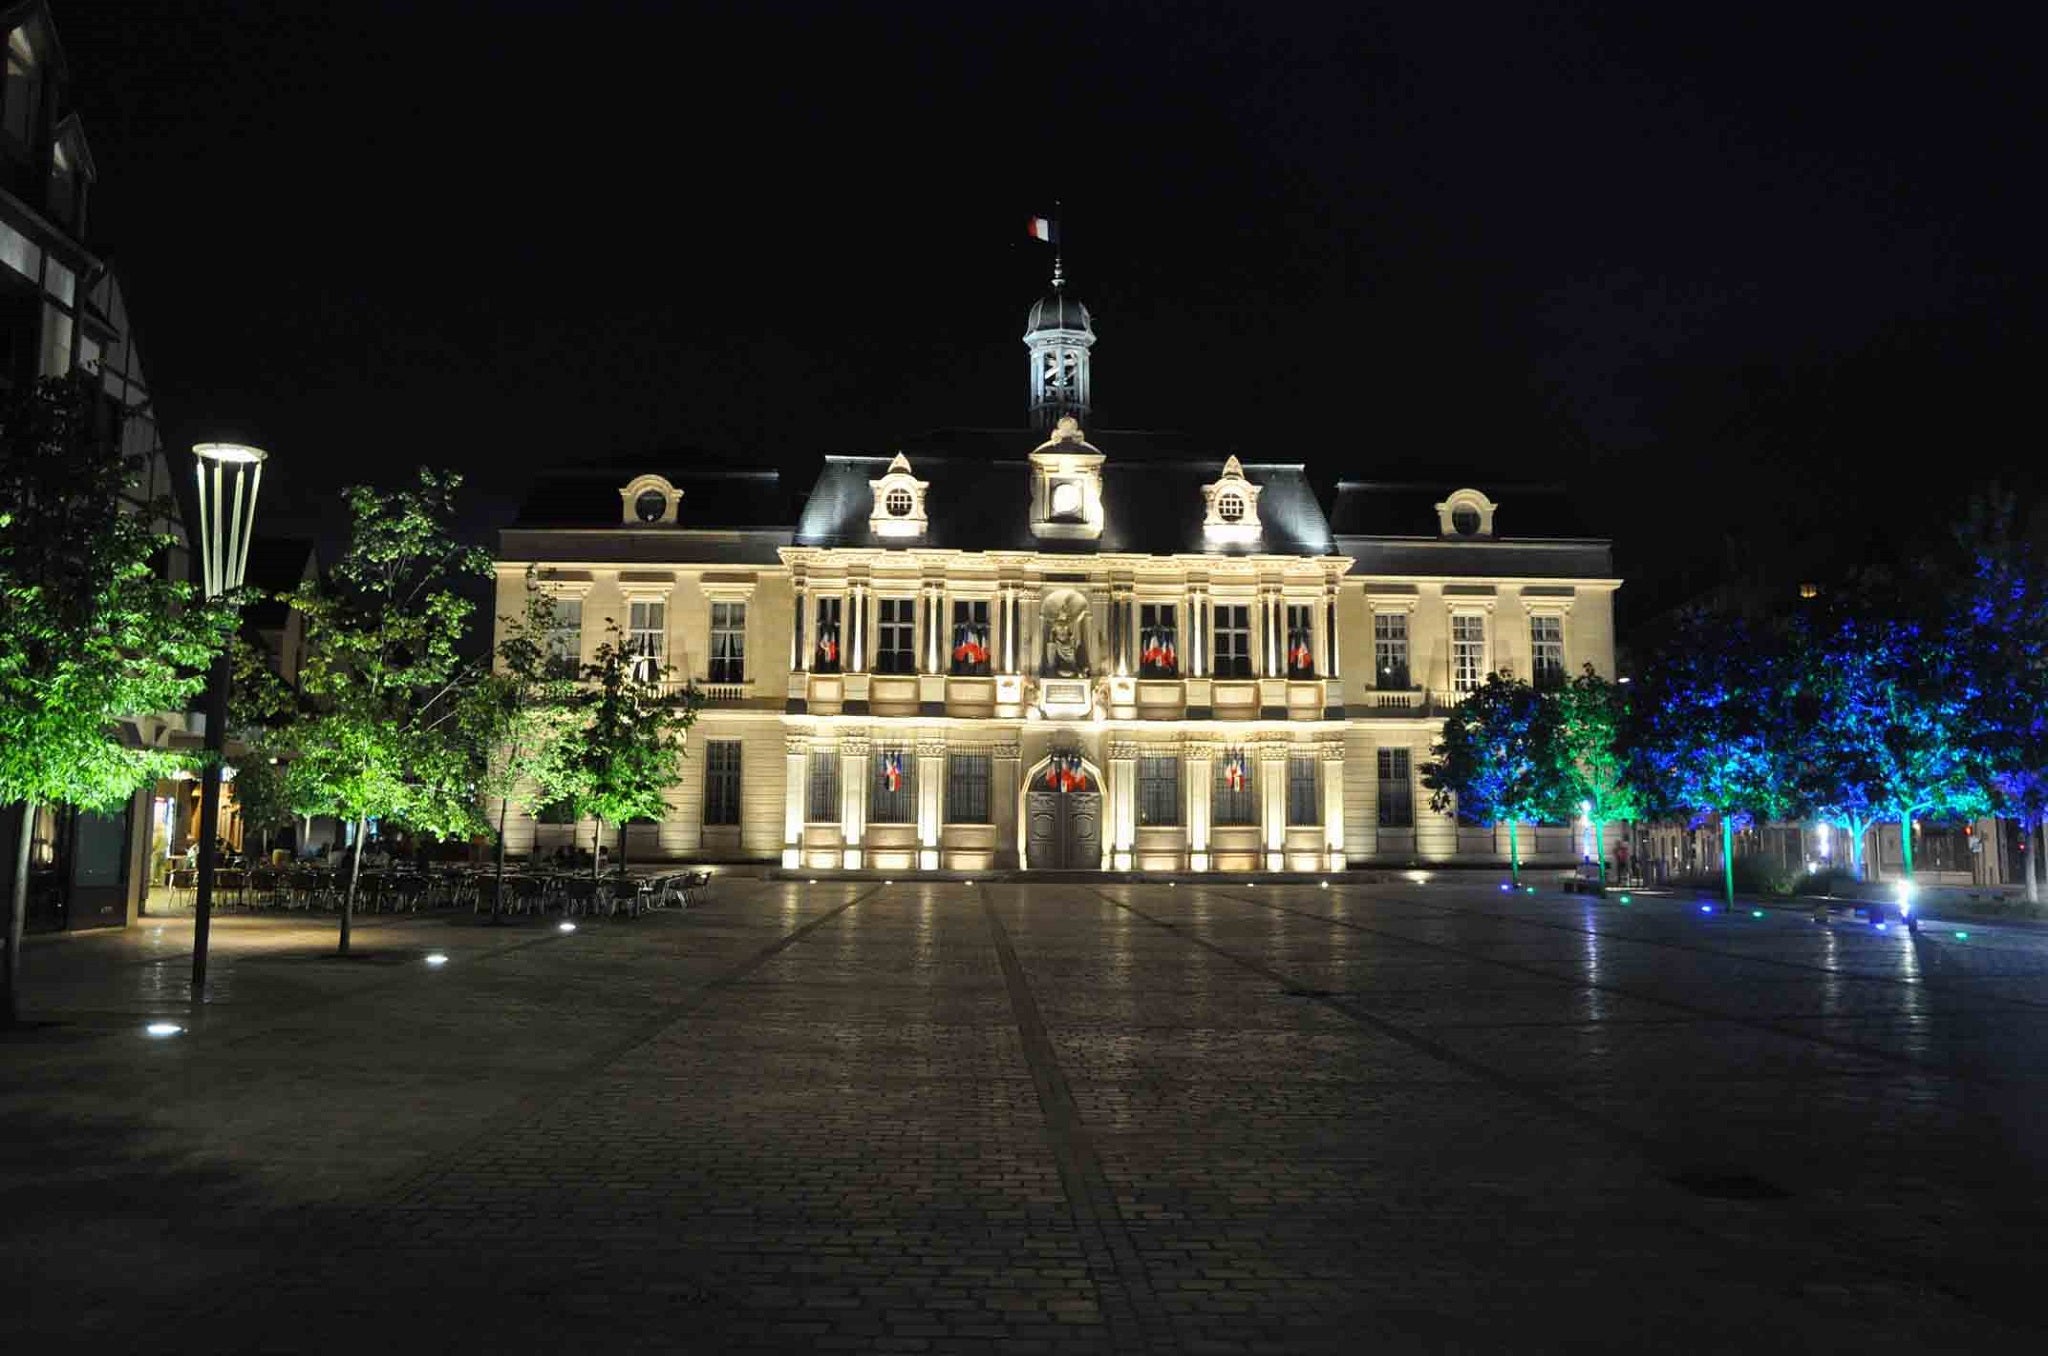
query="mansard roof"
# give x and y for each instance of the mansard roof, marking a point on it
(1394, 528)
(717, 498)
(1152, 505)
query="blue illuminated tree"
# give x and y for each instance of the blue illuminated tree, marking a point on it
(1710, 732)
(1885, 717)
(1493, 759)
(1999, 637)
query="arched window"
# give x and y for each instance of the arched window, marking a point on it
(651, 506)
(1230, 507)
(899, 502)
(1465, 521)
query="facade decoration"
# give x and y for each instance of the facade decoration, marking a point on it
(1141, 656)
(1231, 507)
(899, 502)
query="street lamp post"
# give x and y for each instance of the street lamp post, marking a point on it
(229, 476)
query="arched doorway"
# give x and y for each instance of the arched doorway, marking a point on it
(1060, 819)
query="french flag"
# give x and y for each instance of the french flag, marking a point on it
(1042, 228)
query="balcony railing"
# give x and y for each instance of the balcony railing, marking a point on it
(1408, 701)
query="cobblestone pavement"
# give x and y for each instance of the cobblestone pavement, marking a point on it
(1036, 1118)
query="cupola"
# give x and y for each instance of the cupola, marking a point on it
(1059, 333)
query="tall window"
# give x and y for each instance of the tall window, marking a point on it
(728, 643)
(822, 805)
(565, 635)
(24, 92)
(825, 655)
(1159, 790)
(647, 638)
(1546, 651)
(1233, 640)
(1304, 791)
(1468, 651)
(1397, 790)
(722, 781)
(967, 777)
(1301, 644)
(1237, 801)
(895, 650)
(970, 637)
(892, 792)
(1158, 642)
(1390, 650)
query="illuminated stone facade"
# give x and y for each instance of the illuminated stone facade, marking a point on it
(1058, 649)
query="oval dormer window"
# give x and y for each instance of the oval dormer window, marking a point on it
(1465, 521)
(1230, 508)
(898, 503)
(651, 506)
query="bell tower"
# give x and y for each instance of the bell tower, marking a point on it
(1059, 335)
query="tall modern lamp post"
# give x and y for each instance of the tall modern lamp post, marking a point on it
(229, 475)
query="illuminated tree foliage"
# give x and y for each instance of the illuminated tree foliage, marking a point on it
(524, 714)
(1494, 759)
(261, 709)
(1889, 736)
(627, 750)
(2001, 640)
(1588, 765)
(90, 630)
(383, 681)
(1710, 730)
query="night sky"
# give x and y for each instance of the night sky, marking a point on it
(1742, 277)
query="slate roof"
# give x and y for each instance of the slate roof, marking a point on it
(1152, 501)
(722, 498)
(1368, 508)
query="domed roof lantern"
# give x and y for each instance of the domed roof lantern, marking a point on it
(1059, 334)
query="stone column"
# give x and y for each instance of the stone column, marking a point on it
(1273, 802)
(1123, 799)
(799, 658)
(931, 800)
(1196, 771)
(1332, 752)
(1191, 641)
(1002, 790)
(1331, 641)
(853, 797)
(795, 791)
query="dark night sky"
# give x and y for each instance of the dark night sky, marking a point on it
(1713, 265)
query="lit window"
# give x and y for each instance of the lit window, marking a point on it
(1158, 641)
(970, 637)
(825, 657)
(1304, 791)
(822, 805)
(1233, 640)
(1390, 650)
(1301, 647)
(1809, 590)
(647, 639)
(1236, 801)
(565, 633)
(1159, 790)
(967, 780)
(1546, 651)
(894, 650)
(728, 643)
(892, 793)
(1468, 651)
(24, 92)
(1397, 790)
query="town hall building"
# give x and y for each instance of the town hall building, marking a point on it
(1066, 648)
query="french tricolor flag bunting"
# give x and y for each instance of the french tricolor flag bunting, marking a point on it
(1043, 228)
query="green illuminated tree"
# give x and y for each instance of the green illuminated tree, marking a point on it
(627, 751)
(1589, 767)
(90, 629)
(261, 709)
(524, 713)
(1493, 760)
(384, 679)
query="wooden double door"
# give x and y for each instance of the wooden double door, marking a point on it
(1063, 830)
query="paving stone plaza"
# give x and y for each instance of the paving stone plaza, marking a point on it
(1036, 1118)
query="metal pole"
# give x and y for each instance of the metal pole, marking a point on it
(209, 817)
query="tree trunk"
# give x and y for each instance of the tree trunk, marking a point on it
(2040, 830)
(1600, 847)
(355, 873)
(498, 892)
(622, 846)
(1856, 830)
(1906, 842)
(1514, 852)
(17, 913)
(596, 848)
(1728, 863)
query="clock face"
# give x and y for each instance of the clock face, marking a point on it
(1066, 499)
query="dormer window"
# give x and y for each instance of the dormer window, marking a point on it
(1465, 513)
(899, 501)
(1232, 502)
(649, 500)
